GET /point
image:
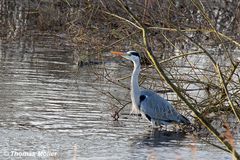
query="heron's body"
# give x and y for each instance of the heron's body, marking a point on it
(152, 106)
(157, 110)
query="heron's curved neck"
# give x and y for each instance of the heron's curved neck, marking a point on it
(135, 89)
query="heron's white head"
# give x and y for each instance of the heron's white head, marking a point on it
(130, 55)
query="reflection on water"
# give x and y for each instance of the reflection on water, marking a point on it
(48, 106)
(157, 138)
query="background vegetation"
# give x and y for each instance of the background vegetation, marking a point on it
(190, 48)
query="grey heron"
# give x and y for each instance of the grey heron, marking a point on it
(148, 103)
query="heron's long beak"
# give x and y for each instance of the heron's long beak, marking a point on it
(118, 53)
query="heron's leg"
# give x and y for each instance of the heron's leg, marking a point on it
(153, 124)
(160, 127)
(175, 128)
(166, 127)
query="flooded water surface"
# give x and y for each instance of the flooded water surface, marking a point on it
(49, 110)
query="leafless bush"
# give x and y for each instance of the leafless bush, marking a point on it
(189, 38)
(193, 45)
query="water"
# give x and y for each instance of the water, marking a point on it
(49, 110)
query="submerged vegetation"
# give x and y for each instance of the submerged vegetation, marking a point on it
(190, 49)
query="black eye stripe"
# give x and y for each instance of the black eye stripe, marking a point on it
(135, 54)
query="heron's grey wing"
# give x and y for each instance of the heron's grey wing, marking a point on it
(157, 108)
